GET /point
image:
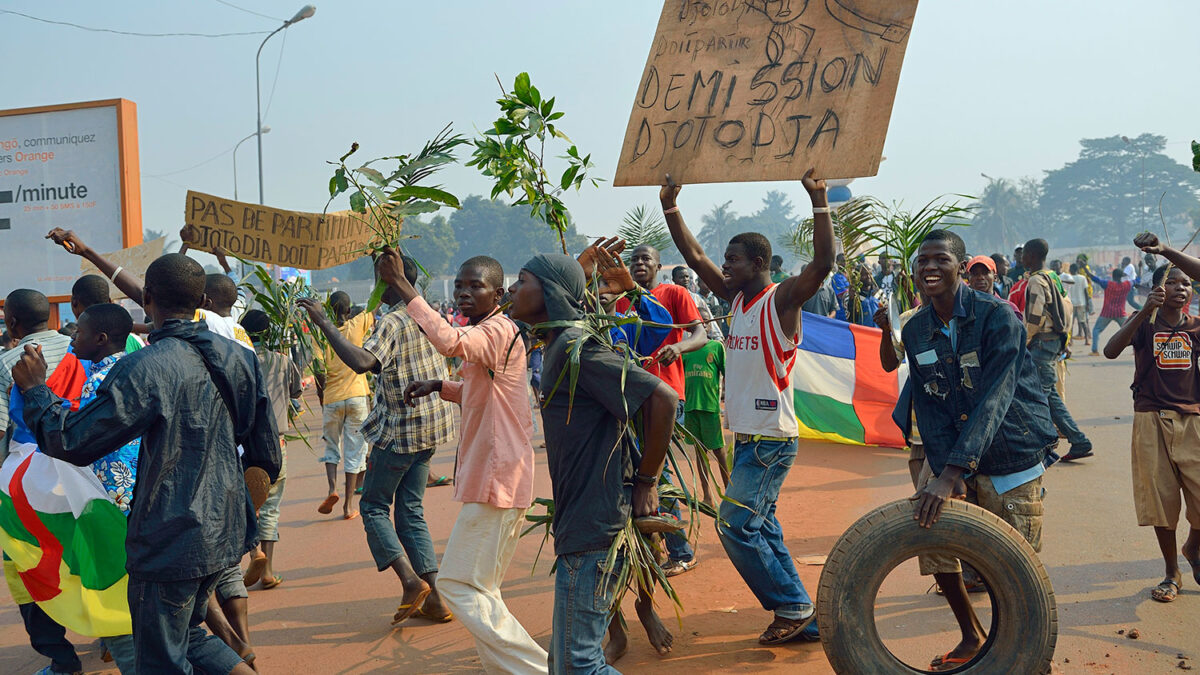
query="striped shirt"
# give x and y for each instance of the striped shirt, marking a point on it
(54, 347)
(406, 356)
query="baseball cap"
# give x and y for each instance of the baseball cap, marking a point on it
(985, 260)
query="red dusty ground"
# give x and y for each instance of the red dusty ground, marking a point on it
(331, 615)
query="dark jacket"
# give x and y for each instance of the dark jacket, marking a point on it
(191, 513)
(979, 406)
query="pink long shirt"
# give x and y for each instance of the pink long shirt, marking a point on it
(495, 453)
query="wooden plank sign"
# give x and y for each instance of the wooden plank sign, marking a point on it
(308, 241)
(750, 90)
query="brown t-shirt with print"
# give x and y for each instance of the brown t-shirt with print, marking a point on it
(1164, 358)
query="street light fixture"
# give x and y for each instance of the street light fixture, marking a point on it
(266, 130)
(304, 13)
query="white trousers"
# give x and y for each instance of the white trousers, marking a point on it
(473, 565)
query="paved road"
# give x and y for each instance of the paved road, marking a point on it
(332, 612)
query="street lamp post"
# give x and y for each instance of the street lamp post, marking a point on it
(265, 130)
(1142, 219)
(305, 12)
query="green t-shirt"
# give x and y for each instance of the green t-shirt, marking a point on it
(779, 277)
(702, 371)
(132, 344)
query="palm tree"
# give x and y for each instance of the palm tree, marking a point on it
(720, 225)
(999, 213)
(644, 227)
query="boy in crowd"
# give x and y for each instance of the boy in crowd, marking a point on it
(703, 371)
(494, 468)
(90, 290)
(1047, 321)
(759, 402)
(343, 394)
(101, 340)
(1077, 292)
(282, 380)
(26, 316)
(984, 420)
(981, 276)
(192, 399)
(644, 266)
(590, 457)
(403, 439)
(1166, 404)
(682, 277)
(1116, 293)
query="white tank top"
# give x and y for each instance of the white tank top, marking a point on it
(759, 356)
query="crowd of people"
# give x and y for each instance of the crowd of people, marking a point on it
(185, 432)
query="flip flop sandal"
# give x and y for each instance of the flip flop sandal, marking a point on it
(783, 634)
(259, 484)
(326, 506)
(268, 584)
(421, 613)
(677, 567)
(946, 662)
(1166, 591)
(255, 571)
(408, 609)
(440, 481)
(658, 524)
(351, 516)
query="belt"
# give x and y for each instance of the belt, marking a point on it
(754, 438)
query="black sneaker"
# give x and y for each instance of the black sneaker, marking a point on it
(1078, 452)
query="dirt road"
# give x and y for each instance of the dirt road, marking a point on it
(332, 612)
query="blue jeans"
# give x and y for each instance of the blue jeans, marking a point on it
(399, 477)
(1045, 354)
(167, 632)
(750, 533)
(583, 594)
(124, 653)
(1101, 324)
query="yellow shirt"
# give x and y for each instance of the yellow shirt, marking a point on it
(342, 383)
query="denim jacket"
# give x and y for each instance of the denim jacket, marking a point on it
(980, 405)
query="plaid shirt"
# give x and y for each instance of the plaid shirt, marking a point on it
(405, 356)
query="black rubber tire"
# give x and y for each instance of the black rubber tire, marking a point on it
(1024, 619)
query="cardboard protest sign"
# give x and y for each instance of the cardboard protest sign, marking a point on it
(747, 90)
(309, 241)
(134, 259)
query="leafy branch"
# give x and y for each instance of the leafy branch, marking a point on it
(387, 199)
(513, 153)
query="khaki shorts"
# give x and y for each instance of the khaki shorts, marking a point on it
(1020, 507)
(1166, 467)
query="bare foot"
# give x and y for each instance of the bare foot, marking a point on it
(660, 638)
(618, 641)
(349, 515)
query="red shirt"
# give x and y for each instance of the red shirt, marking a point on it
(1115, 293)
(679, 303)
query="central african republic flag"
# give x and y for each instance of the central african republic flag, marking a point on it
(63, 537)
(841, 391)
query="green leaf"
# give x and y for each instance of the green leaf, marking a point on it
(414, 208)
(521, 87)
(420, 192)
(376, 296)
(358, 202)
(569, 176)
(373, 175)
(338, 183)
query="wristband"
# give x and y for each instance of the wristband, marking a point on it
(673, 209)
(820, 209)
(644, 479)
(116, 272)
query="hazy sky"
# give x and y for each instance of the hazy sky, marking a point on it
(1004, 88)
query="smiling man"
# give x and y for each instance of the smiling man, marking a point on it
(760, 354)
(984, 420)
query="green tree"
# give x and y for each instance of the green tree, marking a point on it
(717, 227)
(643, 225)
(434, 243)
(774, 220)
(506, 233)
(1112, 191)
(1005, 216)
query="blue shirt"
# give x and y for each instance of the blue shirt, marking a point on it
(117, 470)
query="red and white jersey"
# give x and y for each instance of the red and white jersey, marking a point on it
(759, 356)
